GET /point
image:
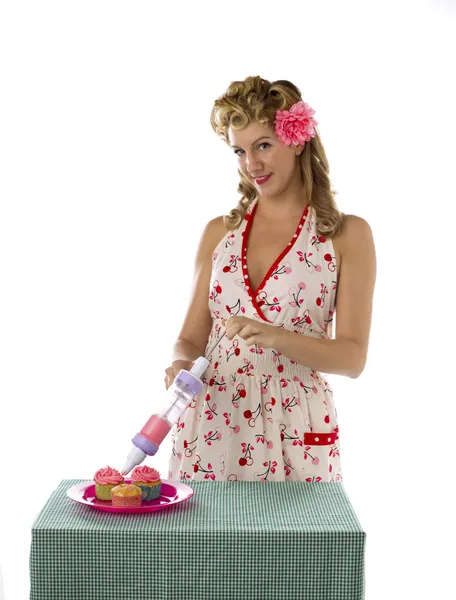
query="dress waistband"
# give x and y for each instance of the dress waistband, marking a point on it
(239, 359)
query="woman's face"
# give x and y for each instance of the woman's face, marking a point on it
(259, 153)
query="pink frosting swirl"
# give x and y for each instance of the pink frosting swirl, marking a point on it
(145, 474)
(108, 476)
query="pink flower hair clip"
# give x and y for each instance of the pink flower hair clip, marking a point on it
(295, 126)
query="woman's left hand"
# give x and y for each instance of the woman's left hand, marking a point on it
(251, 331)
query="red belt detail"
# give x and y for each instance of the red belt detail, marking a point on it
(321, 439)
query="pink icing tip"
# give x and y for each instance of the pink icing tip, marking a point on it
(145, 474)
(108, 476)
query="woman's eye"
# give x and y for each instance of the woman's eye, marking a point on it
(240, 149)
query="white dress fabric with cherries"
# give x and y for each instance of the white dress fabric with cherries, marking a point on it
(261, 416)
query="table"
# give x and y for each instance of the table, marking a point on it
(233, 540)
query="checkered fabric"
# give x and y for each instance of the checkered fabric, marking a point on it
(233, 540)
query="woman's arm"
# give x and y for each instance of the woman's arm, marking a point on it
(347, 353)
(340, 357)
(193, 336)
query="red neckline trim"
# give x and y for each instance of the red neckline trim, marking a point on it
(245, 236)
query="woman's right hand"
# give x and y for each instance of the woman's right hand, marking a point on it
(174, 369)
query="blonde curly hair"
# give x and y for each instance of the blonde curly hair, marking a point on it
(257, 100)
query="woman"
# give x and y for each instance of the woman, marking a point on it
(271, 275)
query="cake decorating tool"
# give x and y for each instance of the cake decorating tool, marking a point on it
(184, 389)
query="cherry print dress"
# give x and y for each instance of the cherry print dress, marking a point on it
(261, 416)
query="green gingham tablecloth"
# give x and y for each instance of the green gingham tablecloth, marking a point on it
(233, 540)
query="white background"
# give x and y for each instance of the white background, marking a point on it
(109, 172)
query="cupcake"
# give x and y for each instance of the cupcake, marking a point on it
(126, 494)
(105, 479)
(148, 479)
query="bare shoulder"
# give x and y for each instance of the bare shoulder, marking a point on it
(355, 235)
(216, 227)
(213, 233)
(352, 226)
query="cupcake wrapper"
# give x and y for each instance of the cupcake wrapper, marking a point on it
(150, 491)
(103, 492)
(126, 500)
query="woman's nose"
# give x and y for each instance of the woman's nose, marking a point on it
(253, 164)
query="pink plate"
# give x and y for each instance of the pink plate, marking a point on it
(172, 492)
